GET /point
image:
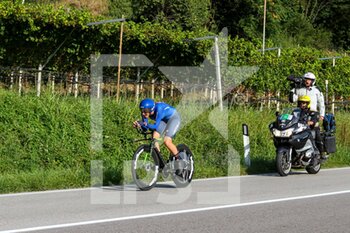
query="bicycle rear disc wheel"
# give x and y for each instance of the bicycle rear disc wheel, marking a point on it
(145, 168)
(184, 177)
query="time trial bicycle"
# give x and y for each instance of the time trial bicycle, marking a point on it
(148, 162)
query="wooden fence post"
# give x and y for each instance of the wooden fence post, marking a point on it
(261, 105)
(76, 84)
(152, 89)
(11, 81)
(214, 96)
(20, 82)
(38, 84)
(171, 89)
(141, 86)
(137, 93)
(49, 79)
(53, 84)
(206, 90)
(162, 89)
(69, 82)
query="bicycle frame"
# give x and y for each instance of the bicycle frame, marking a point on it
(162, 162)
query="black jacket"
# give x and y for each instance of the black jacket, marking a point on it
(307, 115)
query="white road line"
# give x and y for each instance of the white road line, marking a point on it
(46, 192)
(39, 228)
(194, 180)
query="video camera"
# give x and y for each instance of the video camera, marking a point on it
(296, 82)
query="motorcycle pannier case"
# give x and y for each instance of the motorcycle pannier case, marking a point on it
(329, 144)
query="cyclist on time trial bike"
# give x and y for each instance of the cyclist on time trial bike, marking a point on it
(166, 121)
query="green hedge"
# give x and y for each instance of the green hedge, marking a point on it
(30, 33)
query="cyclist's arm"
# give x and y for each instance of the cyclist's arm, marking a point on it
(144, 124)
(159, 118)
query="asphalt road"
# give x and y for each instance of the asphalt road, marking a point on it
(264, 203)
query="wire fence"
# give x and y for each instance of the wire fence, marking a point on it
(24, 81)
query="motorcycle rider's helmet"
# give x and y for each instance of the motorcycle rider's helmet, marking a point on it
(304, 99)
(147, 105)
(310, 76)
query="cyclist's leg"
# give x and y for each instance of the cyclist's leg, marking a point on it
(171, 129)
(168, 141)
(156, 135)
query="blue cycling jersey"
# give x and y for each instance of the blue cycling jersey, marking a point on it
(162, 112)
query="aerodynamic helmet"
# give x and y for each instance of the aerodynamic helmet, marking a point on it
(147, 105)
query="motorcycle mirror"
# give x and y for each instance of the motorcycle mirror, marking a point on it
(277, 114)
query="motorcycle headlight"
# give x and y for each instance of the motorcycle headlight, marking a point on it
(282, 133)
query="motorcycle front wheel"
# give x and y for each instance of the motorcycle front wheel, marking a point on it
(282, 164)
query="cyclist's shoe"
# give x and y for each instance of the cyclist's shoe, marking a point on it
(182, 155)
(171, 162)
(179, 165)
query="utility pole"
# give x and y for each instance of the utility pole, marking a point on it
(120, 45)
(120, 58)
(264, 26)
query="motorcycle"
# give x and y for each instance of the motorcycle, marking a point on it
(294, 142)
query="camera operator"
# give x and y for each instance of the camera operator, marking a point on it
(303, 87)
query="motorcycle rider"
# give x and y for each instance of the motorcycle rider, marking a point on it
(311, 118)
(306, 115)
(316, 104)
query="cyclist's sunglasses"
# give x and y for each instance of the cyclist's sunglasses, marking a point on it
(146, 110)
(303, 102)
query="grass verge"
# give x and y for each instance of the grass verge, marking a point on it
(46, 141)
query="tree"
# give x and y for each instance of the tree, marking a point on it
(244, 18)
(312, 8)
(336, 19)
(119, 8)
(187, 14)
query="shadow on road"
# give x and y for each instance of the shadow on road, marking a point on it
(132, 187)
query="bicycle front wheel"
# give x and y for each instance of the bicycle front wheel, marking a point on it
(145, 167)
